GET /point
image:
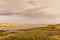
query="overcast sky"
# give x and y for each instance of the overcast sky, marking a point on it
(31, 11)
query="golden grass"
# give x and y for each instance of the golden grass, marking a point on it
(49, 32)
(10, 25)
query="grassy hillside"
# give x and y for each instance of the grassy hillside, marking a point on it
(50, 32)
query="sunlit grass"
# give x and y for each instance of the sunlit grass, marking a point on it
(50, 32)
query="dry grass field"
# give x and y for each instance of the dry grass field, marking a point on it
(50, 32)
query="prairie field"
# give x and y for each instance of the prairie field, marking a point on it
(50, 32)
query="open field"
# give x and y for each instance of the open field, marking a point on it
(50, 32)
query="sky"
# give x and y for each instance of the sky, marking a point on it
(30, 11)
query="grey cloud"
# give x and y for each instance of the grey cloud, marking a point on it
(27, 13)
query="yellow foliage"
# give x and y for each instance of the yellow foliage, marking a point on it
(9, 25)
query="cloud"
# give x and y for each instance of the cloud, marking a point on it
(46, 7)
(48, 11)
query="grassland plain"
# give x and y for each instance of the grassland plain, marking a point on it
(50, 32)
